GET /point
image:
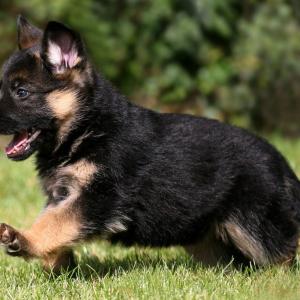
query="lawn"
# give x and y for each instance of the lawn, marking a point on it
(115, 272)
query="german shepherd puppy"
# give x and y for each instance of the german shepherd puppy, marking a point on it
(112, 169)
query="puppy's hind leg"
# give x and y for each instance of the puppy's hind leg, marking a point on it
(262, 241)
(210, 251)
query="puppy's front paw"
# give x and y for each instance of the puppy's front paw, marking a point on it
(10, 239)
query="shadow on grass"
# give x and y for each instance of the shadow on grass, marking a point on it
(89, 267)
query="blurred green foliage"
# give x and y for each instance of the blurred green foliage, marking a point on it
(234, 60)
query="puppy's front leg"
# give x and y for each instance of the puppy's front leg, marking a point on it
(49, 238)
(56, 261)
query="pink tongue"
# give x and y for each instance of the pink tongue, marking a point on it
(18, 141)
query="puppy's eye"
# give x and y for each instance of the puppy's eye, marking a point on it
(22, 93)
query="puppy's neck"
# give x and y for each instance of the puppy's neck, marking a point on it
(101, 113)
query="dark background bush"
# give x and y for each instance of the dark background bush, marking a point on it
(238, 61)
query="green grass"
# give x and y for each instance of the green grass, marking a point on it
(115, 272)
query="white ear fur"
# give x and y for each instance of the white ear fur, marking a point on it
(60, 60)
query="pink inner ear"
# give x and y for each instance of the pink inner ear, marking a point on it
(62, 60)
(70, 59)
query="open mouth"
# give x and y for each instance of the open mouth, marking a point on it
(21, 143)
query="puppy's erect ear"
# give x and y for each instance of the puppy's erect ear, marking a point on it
(62, 47)
(28, 35)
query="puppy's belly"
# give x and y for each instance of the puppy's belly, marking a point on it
(162, 235)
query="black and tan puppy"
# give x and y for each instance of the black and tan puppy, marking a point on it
(112, 169)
